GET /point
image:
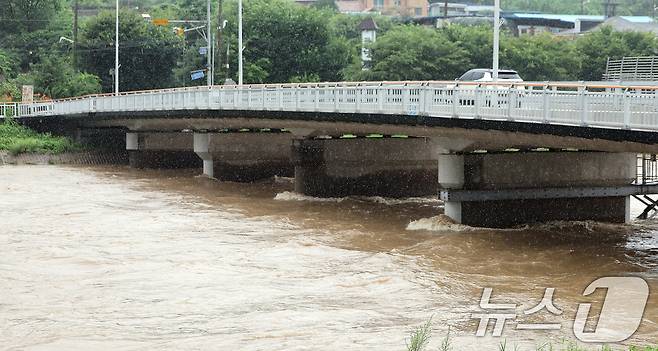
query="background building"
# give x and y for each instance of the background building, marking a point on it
(405, 8)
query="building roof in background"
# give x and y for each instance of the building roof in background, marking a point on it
(573, 18)
(368, 24)
(622, 23)
(450, 5)
(479, 8)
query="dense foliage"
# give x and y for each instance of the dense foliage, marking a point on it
(284, 42)
(17, 139)
(147, 55)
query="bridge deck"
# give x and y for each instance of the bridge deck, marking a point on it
(588, 105)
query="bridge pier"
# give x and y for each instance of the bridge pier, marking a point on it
(507, 189)
(244, 156)
(391, 167)
(160, 150)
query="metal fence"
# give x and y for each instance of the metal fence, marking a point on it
(593, 105)
(647, 169)
(632, 69)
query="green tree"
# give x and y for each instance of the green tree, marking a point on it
(148, 54)
(595, 48)
(413, 53)
(541, 58)
(7, 65)
(19, 16)
(285, 41)
(326, 4)
(192, 9)
(477, 41)
(8, 91)
(54, 77)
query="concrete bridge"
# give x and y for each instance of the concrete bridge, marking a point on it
(504, 154)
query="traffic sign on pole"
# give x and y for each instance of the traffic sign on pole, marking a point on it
(161, 22)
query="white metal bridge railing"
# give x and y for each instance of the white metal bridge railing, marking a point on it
(604, 106)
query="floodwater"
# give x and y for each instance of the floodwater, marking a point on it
(118, 259)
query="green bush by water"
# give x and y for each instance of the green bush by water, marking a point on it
(419, 340)
(18, 139)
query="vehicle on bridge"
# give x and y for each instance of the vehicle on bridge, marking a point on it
(486, 75)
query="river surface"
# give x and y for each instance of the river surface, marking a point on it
(118, 259)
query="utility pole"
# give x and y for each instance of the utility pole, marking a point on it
(240, 45)
(496, 40)
(445, 9)
(116, 52)
(75, 34)
(610, 8)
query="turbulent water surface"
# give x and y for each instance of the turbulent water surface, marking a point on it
(117, 259)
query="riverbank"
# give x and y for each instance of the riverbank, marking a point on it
(16, 139)
(22, 146)
(91, 158)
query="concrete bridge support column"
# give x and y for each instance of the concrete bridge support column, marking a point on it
(202, 149)
(507, 189)
(388, 167)
(244, 156)
(160, 150)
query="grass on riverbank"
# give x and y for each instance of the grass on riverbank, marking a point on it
(17, 139)
(420, 339)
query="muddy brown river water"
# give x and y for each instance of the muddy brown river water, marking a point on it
(110, 258)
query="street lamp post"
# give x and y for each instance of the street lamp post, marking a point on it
(209, 52)
(240, 45)
(496, 41)
(116, 52)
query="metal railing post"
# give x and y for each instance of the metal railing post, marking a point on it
(455, 100)
(546, 105)
(476, 102)
(582, 104)
(422, 100)
(380, 98)
(511, 101)
(297, 97)
(627, 110)
(263, 103)
(405, 100)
